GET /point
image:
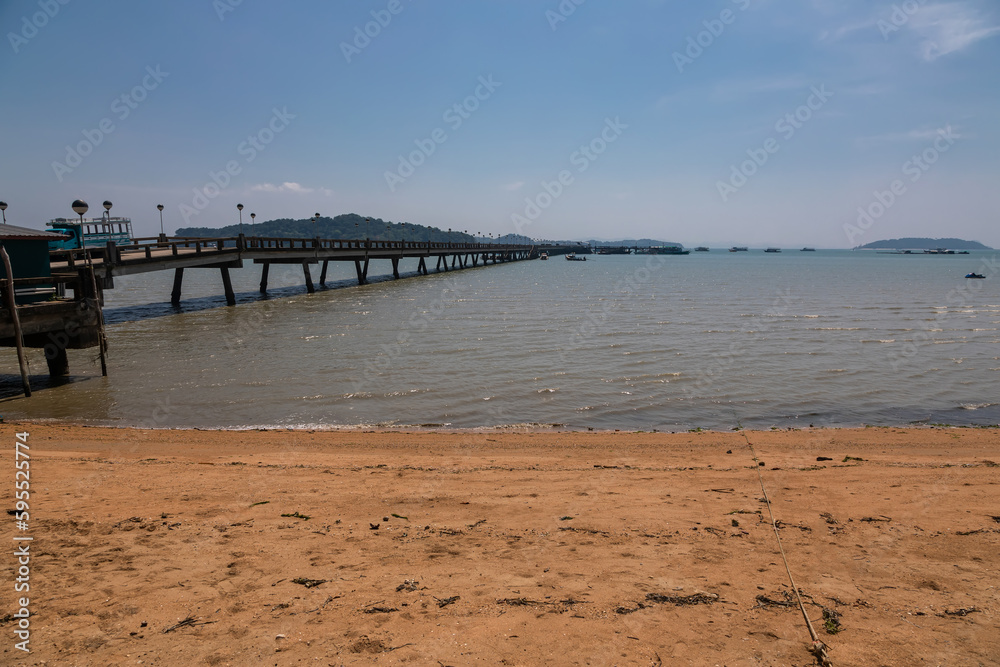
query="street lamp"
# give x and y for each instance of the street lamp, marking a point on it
(253, 217)
(80, 207)
(159, 207)
(315, 224)
(3, 209)
(107, 214)
(239, 207)
(368, 228)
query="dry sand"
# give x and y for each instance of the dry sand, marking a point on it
(505, 548)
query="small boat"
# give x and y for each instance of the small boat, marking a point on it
(544, 255)
(737, 248)
(978, 276)
(773, 250)
(571, 257)
(808, 250)
(701, 248)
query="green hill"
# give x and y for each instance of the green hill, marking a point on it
(920, 243)
(346, 226)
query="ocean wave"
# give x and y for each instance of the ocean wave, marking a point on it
(976, 406)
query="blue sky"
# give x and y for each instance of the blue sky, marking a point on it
(755, 122)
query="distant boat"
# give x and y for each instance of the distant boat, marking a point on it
(573, 258)
(773, 250)
(808, 250)
(737, 248)
(544, 255)
(668, 250)
(701, 248)
(978, 276)
(939, 251)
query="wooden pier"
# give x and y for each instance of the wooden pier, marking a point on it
(180, 253)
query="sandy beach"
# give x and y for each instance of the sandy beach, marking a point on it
(191, 547)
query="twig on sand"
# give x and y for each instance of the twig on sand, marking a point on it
(328, 600)
(447, 601)
(190, 621)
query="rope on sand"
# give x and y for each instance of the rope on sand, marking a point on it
(818, 648)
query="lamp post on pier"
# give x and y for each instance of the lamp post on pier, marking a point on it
(239, 207)
(159, 207)
(3, 209)
(106, 217)
(253, 217)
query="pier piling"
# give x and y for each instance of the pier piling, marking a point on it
(263, 277)
(175, 294)
(309, 280)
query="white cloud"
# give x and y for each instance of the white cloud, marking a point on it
(950, 27)
(289, 186)
(923, 134)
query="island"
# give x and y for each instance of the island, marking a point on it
(920, 243)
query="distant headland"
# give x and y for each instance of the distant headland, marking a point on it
(920, 243)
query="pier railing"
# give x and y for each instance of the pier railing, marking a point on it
(162, 247)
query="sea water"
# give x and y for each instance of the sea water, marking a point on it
(617, 342)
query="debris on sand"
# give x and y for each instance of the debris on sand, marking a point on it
(831, 621)
(309, 583)
(765, 601)
(964, 611)
(683, 600)
(379, 610)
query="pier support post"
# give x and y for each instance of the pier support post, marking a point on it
(309, 279)
(322, 273)
(395, 267)
(263, 278)
(362, 271)
(58, 362)
(227, 284)
(422, 267)
(454, 259)
(11, 295)
(175, 294)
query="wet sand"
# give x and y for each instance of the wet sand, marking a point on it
(484, 548)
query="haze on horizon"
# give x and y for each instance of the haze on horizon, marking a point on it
(754, 122)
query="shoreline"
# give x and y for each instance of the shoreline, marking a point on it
(480, 547)
(507, 428)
